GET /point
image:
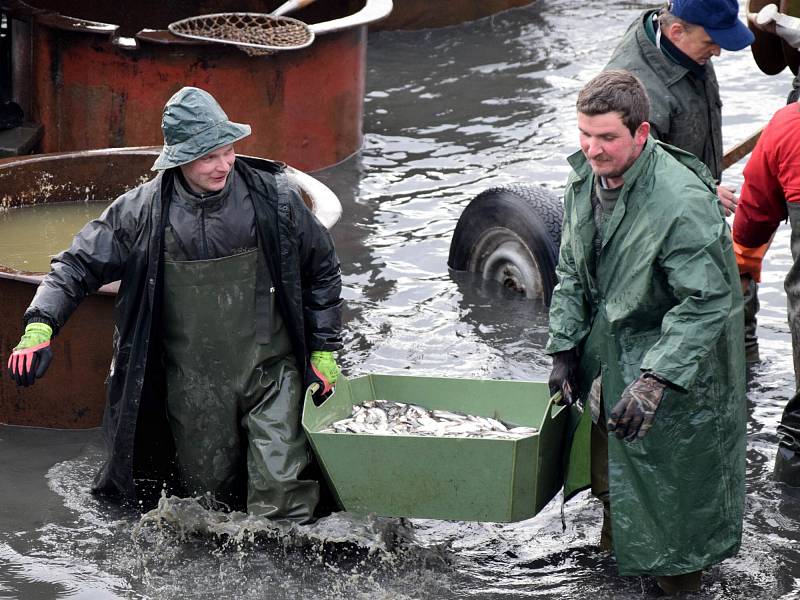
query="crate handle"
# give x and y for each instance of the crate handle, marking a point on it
(312, 389)
(553, 407)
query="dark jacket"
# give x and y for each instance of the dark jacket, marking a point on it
(126, 243)
(685, 111)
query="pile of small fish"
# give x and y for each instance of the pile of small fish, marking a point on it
(384, 417)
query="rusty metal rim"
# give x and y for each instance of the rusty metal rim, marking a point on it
(110, 289)
(47, 157)
(373, 11)
(6, 163)
(324, 203)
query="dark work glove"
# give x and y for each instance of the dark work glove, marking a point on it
(564, 376)
(635, 412)
(31, 357)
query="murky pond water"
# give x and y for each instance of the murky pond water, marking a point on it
(29, 236)
(449, 113)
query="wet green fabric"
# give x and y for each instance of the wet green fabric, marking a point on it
(233, 404)
(787, 462)
(666, 298)
(578, 462)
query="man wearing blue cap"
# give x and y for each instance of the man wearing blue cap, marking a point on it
(228, 307)
(670, 50)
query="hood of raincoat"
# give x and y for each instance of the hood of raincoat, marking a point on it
(193, 125)
(664, 296)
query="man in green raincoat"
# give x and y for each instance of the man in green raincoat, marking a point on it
(645, 331)
(228, 308)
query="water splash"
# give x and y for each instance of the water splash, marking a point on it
(392, 540)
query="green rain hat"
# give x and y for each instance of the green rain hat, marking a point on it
(194, 124)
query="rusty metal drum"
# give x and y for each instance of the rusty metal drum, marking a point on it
(97, 75)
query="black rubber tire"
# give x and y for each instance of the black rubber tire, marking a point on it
(511, 234)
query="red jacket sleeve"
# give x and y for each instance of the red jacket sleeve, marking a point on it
(762, 205)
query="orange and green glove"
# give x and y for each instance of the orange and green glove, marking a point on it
(31, 357)
(323, 371)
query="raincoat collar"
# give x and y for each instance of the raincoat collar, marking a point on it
(585, 175)
(670, 50)
(208, 200)
(577, 160)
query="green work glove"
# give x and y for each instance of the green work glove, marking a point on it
(31, 357)
(325, 364)
(322, 372)
(635, 412)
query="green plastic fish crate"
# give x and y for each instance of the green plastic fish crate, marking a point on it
(465, 479)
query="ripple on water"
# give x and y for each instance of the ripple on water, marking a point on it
(485, 104)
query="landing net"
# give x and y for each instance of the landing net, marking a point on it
(256, 34)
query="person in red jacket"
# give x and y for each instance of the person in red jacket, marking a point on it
(771, 194)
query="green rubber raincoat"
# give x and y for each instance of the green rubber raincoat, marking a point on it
(664, 296)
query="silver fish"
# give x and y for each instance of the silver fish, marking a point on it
(384, 417)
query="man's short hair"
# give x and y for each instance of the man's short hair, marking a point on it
(616, 91)
(666, 18)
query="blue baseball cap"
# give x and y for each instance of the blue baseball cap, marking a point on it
(719, 18)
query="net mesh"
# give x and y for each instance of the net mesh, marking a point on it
(269, 32)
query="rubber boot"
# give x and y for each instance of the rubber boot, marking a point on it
(277, 450)
(606, 536)
(787, 462)
(599, 479)
(676, 584)
(751, 306)
(787, 467)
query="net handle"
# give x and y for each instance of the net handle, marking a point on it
(291, 6)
